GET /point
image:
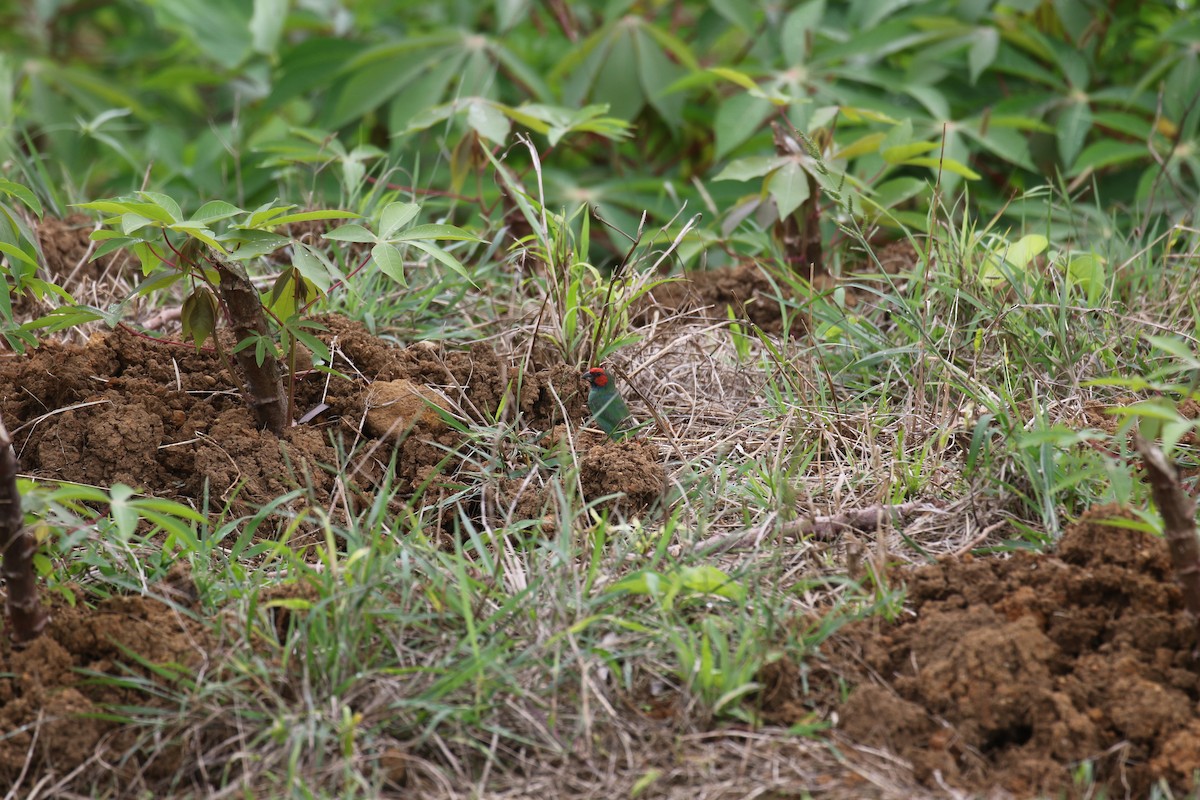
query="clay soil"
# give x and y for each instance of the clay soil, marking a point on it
(1008, 674)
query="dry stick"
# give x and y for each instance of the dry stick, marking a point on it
(18, 547)
(1178, 510)
(267, 401)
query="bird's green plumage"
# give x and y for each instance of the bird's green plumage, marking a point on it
(607, 407)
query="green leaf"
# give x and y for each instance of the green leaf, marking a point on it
(220, 28)
(18, 253)
(947, 164)
(488, 121)
(1074, 123)
(434, 231)
(266, 24)
(1088, 273)
(618, 83)
(152, 210)
(1107, 153)
(902, 153)
(313, 266)
(199, 316)
(395, 216)
(985, 42)
(749, 168)
(390, 262)
(350, 233)
(22, 193)
(738, 12)
(1024, 250)
(165, 202)
(442, 256)
(789, 186)
(305, 216)
(123, 513)
(201, 232)
(799, 25)
(215, 210)
(737, 119)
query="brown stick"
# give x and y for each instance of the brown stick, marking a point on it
(1178, 510)
(18, 546)
(267, 401)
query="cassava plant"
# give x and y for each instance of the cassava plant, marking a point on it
(209, 253)
(17, 547)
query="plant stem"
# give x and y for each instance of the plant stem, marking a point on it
(248, 321)
(18, 547)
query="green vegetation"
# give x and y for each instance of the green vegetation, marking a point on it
(972, 225)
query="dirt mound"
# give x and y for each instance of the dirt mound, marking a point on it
(160, 417)
(56, 718)
(745, 288)
(1014, 672)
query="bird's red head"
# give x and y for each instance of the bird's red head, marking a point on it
(596, 376)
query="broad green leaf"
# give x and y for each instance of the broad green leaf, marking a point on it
(442, 256)
(1107, 153)
(985, 42)
(215, 210)
(1074, 123)
(390, 262)
(266, 24)
(22, 193)
(1175, 347)
(902, 153)
(199, 316)
(131, 223)
(266, 213)
(789, 186)
(866, 144)
(123, 513)
(166, 202)
(738, 12)
(799, 25)
(740, 78)
(220, 28)
(1024, 250)
(245, 244)
(488, 121)
(313, 266)
(350, 233)
(737, 119)
(151, 210)
(1088, 273)
(745, 169)
(617, 82)
(434, 231)
(305, 216)
(18, 253)
(947, 164)
(710, 580)
(395, 216)
(201, 232)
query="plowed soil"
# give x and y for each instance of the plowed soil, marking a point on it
(1011, 673)
(1004, 674)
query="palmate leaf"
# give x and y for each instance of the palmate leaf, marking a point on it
(628, 64)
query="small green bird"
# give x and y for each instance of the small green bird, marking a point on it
(607, 407)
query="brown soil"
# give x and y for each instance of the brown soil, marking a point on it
(1010, 673)
(50, 712)
(162, 418)
(746, 289)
